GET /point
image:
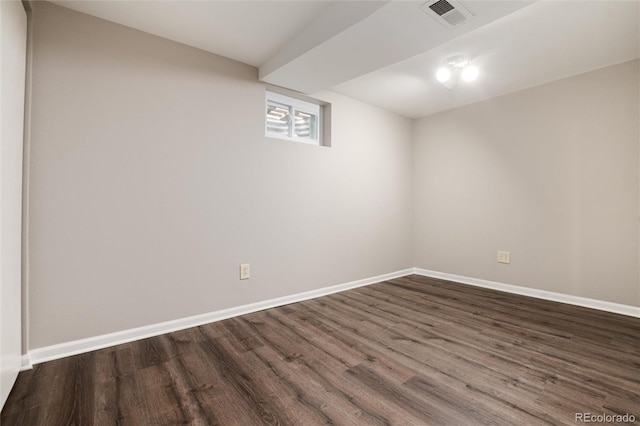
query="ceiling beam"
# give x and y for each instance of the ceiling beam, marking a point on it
(354, 38)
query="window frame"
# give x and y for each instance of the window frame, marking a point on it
(294, 104)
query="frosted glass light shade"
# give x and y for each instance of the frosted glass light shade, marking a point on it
(443, 74)
(470, 73)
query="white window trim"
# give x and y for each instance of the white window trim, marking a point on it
(296, 105)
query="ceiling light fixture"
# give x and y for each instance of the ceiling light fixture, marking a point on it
(470, 73)
(454, 68)
(443, 75)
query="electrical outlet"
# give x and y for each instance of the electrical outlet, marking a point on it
(504, 257)
(245, 271)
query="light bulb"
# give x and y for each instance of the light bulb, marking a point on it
(443, 75)
(469, 73)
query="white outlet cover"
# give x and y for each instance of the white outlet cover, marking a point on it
(504, 257)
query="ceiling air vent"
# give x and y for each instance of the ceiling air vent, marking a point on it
(449, 13)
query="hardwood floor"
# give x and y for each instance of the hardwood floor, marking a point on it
(410, 351)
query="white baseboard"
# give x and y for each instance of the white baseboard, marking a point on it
(617, 308)
(49, 353)
(25, 363)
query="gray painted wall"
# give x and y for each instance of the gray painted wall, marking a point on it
(151, 181)
(549, 173)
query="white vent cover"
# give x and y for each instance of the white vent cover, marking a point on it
(449, 13)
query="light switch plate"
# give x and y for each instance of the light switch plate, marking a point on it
(245, 271)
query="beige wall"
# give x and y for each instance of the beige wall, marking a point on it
(549, 173)
(151, 181)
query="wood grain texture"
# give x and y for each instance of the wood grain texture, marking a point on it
(410, 351)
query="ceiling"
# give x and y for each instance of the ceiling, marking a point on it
(386, 52)
(543, 42)
(247, 31)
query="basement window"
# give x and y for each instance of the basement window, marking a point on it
(293, 119)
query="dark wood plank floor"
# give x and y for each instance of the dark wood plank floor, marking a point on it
(410, 351)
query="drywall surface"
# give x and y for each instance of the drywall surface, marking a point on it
(151, 181)
(13, 44)
(550, 174)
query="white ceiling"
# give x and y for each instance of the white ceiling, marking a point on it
(393, 32)
(543, 42)
(247, 31)
(385, 52)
